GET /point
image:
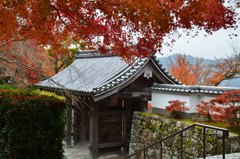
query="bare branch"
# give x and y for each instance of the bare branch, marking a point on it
(22, 65)
(64, 91)
(9, 41)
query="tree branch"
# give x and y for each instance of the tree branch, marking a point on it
(21, 64)
(8, 41)
(64, 91)
(59, 16)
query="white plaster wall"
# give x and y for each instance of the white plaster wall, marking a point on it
(193, 102)
(160, 100)
(207, 98)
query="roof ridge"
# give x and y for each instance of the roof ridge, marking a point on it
(91, 54)
(191, 88)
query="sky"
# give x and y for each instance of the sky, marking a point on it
(217, 45)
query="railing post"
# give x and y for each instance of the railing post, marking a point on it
(144, 154)
(181, 145)
(160, 150)
(224, 136)
(204, 141)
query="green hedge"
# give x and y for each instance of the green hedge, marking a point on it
(31, 125)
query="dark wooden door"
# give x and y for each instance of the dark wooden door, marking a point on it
(110, 128)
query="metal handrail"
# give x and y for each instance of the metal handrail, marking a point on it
(225, 135)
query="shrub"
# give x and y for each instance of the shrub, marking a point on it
(176, 108)
(206, 108)
(32, 126)
(225, 108)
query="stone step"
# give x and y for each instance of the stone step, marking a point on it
(227, 156)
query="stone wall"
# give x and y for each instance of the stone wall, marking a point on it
(148, 128)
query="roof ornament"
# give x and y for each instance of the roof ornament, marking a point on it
(147, 73)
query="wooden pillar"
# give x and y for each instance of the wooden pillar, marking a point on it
(79, 126)
(83, 137)
(125, 132)
(124, 124)
(69, 128)
(75, 127)
(94, 131)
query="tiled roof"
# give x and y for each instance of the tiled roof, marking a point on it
(191, 89)
(235, 82)
(93, 73)
(165, 72)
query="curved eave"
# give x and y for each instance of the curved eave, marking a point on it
(63, 90)
(123, 84)
(165, 74)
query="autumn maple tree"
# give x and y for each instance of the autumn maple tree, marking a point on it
(188, 71)
(60, 60)
(126, 27)
(226, 68)
(108, 24)
(27, 63)
(195, 72)
(61, 55)
(206, 108)
(176, 108)
(225, 108)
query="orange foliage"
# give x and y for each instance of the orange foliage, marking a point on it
(197, 73)
(28, 63)
(224, 69)
(47, 65)
(109, 24)
(224, 108)
(186, 71)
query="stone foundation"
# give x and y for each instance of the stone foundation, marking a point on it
(148, 129)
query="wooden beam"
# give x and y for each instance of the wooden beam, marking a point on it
(139, 94)
(136, 89)
(125, 95)
(69, 128)
(94, 130)
(113, 131)
(111, 144)
(130, 95)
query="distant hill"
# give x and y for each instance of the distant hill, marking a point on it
(165, 60)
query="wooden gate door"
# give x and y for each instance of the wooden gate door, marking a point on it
(111, 119)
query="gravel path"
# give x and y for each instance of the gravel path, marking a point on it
(81, 151)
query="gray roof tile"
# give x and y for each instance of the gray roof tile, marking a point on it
(191, 89)
(93, 73)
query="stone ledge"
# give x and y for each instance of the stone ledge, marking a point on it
(228, 156)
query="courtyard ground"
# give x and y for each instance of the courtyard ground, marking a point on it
(81, 151)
